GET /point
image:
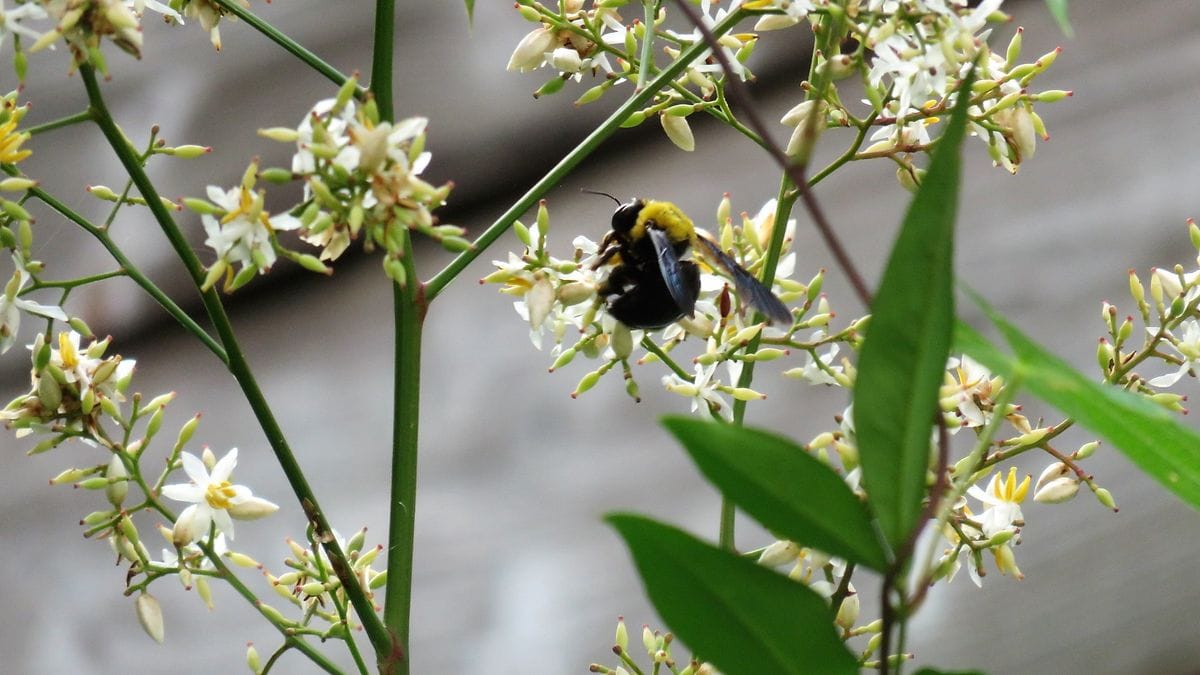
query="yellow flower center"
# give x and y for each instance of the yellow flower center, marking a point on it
(66, 351)
(219, 495)
(10, 143)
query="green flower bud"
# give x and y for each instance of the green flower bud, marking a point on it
(587, 382)
(118, 486)
(280, 134)
(1086, 450)
(635, 118)
(276, 175)
(552, 86)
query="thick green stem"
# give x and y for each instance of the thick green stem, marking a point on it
(783, 210)
(573, 158)
(408, 314)
(291, 46)
(236, 362)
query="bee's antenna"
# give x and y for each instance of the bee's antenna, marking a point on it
(602, 194)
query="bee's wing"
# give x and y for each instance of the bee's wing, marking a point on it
(749, 289)
(672, 273)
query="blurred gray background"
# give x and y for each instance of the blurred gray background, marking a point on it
(514, 570)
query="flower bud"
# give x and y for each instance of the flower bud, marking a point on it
(622, 638)
(1086, 450)
(252, 660)
(779, 553)
(649, 640)
(539, 301)
(149, 614)
(848, 611)
(118, 485)
(1105, 497)
(678, 131)
(1057, 484)
(587, 382)
(747, 394)
(622, 341)
(531, 50)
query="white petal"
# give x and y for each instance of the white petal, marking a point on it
(252, 508)
(224, 467)
(195, 469)
(184, 492)
(223, 521)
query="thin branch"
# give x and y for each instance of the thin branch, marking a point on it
(795, 171)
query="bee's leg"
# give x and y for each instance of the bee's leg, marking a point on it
(621, 277)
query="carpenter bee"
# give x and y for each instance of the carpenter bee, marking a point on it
(651, 284)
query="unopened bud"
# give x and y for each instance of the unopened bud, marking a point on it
(149, 614)
(678, 130)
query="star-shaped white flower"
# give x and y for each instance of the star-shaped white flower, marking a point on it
(214, 499)
(12, 304)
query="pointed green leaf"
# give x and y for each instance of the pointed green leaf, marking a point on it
(1058, 10)
(471, 11)
(904, 355)
(789, 491)
(742, 617)
(1148, 434)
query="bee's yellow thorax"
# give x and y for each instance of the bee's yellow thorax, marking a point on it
(667, 217)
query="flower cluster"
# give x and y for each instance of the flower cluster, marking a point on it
(658, 652)
(559, 297)
(362, 178)
(311, 585)
(1170, 313)
(913, 57)
(73, 387)
(572, 41)
(79, 393)
(242, 232)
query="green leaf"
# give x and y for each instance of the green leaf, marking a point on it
(904, 355)
(1058, 10)
(742, 617)
(790, 492)
(1148, 434)
(471, 11)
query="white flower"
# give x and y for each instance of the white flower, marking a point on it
(214, 499)
(703, 389)
(10, 20)
(244, 234)
(966, 386)
(1189, 350)
(12, 304)
(819, 370)
(140, 6)
(1003, 499)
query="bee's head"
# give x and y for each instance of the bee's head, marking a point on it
(625, 217)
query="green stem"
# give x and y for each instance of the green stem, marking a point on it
(649, 13)
(783, 210)
(81, 281)
(236, 362)
(59, 123)
(382, 58)
(572, 159)
(408, 312)
(653, 348)
(296, 643)
(291, 46)
(134, 273)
